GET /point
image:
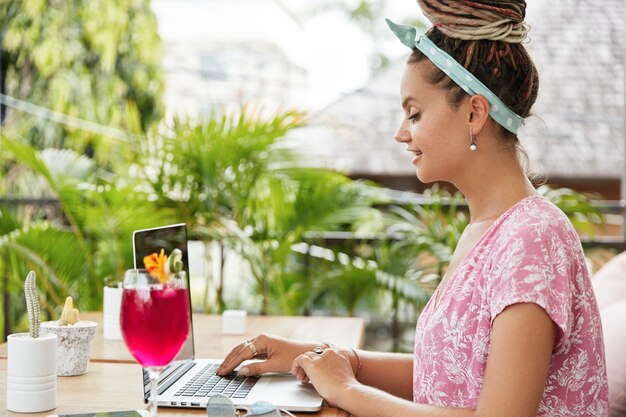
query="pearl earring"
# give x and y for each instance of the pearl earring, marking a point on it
(473, 144)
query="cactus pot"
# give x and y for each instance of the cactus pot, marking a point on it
(31, 373)
(74, 343)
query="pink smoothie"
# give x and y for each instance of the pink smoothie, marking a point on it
(155, 323)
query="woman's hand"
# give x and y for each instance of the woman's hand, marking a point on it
(330, 373)
(278, 352)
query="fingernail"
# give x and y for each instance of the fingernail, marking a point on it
(244, 371)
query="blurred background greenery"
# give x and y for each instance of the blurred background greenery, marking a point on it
(313, 241)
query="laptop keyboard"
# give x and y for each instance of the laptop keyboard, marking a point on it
(206, 383)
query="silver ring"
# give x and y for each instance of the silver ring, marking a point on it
(319, 350)
(248, 344)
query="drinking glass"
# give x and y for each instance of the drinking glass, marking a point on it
(154, 320)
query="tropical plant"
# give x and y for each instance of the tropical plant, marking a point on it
(90, 242)
(94, 60)
(320, 201)
(50, 250)
(208, 169)
(248, 193)
(76, 63)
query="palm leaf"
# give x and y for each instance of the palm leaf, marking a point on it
(54, 253)
(64, 172)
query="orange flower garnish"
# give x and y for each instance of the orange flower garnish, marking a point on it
(155, 264)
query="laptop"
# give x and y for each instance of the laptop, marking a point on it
(188, 381)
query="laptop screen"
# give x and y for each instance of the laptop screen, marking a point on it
(148, 241)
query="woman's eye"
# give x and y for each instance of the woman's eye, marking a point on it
(414, 117)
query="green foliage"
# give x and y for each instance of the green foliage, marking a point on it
(209, 168)
(577, 207)
(425, 237)
(91, 243)
(319, 201)
(247, 192)
(45, 248)
(92, 59)
(343, 287)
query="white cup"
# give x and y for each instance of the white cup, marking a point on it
(31, 373)
(111, 316)
(233, 321)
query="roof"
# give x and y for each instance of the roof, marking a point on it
(578, 127)
(578, 48)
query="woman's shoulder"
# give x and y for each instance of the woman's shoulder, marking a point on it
(536, 229)
(538, 208)
(536, 217)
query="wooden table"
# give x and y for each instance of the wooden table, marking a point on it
(113, 379)
(212, 344)
(110, 387)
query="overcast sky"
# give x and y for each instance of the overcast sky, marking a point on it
(333, 50)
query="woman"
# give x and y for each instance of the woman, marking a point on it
(513, 328)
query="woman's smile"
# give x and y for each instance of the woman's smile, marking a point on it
(418, 155)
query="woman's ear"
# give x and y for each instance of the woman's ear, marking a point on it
(479, 113)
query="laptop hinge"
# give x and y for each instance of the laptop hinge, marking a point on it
(169, 379)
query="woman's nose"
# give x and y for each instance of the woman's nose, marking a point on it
(402, 135)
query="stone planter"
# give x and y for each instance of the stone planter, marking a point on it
(74, 343)
(31, 373)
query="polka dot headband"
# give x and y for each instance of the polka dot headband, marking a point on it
(459, 74)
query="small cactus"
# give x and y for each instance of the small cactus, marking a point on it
(32, 304)
(69, 315)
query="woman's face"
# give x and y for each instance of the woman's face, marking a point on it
(434, 131)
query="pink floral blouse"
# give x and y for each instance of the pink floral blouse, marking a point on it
(531, 254)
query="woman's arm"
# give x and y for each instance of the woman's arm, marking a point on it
(522, 340)
(390, 372)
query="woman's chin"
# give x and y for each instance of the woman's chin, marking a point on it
(423, 176)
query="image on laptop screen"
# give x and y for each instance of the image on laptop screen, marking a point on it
(148, 241)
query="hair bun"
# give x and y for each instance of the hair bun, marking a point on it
(472, 20)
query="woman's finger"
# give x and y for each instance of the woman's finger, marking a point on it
(301, 375)
(232, 360)
(300, 362)
(256, 368)
(244, 351)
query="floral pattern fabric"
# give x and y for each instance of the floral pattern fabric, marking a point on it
(531, 254)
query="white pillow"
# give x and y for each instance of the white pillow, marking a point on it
(614, 329)
(609, 283)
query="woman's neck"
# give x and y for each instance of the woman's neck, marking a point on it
(496, 189)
